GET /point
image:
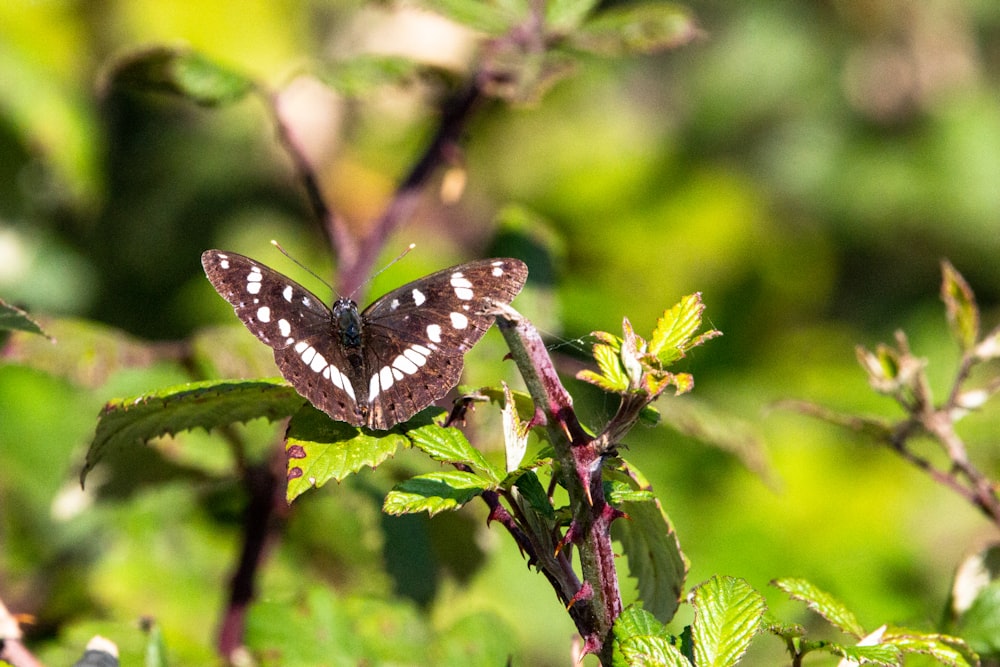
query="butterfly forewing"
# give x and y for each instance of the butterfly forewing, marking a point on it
(416, 336)
(411, 344)
(275, 308)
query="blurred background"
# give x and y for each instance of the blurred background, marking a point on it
(806, 166)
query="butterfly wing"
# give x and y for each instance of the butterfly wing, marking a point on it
(294, 322)
(415, 337)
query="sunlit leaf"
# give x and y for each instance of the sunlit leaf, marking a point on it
(487, 17)
(320, 449)
(960, 306)
(640, 640)
(728, 614)
(450, 445)
(675, 328)
(824, 604)
(129, 421)
(945, 649)
(434, 492)
(515, 432)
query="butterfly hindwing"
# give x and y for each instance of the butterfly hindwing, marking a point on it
(379, 367)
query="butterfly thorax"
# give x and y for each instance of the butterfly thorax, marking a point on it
(347, 321)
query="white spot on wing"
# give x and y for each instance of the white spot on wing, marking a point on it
(497, 268)
(418, 297)
(405, 365)
(385, 375)
(253, 288)
(458, 320)
(420, 349)
(284, 327)
(308, 354)
(373, 388)
(434, 332)
(223, 262)
(416, 357)
(264, 315)
(301, 345)
(394, 304)
(396, 373)
(464, 293)
(318, 363)
(348, 387)
(287, 293)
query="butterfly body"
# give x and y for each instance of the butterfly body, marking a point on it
(376, 367)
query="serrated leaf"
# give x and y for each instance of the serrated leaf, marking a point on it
(450, 445)
(13, 318)
(434, 492)
(960, 306)
(531, 490)
(650, 543)
(320, 449)
(728, 613)
(366, 73)
(640, 28)
(824, 604)
(641, 640)
(879, 654)
(945, 649)
(182, 72)
(612, 377)
(675, 328)
(128, 421)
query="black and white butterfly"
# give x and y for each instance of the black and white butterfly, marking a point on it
(378, 367)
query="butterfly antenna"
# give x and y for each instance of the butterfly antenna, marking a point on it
(303, 266)
(401, 255)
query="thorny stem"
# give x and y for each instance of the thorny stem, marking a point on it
(596, 604)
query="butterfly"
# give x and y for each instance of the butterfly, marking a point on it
(378, 367)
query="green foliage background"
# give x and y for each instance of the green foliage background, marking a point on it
(803, 165)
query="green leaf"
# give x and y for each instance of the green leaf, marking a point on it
(675, 328)
(824, 604)
(612, 377)
(640, 640)
(644, 28)
(980, 624)
(364, 74)
(879, 654)
(488, 17)
(86, 353)
(450, 445)
(434, 492)
(960, 306)
(650, 543)
(13, 318)
(566, 15)
(156, 648)
(728, 613)
(531, 490)
(945, 649)
(181, 72)
(127, 421)
(320, 449)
